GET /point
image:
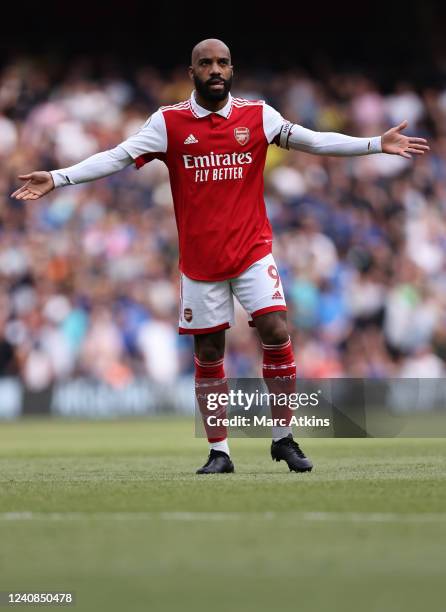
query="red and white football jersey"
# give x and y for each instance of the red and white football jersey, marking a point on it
(216, 162)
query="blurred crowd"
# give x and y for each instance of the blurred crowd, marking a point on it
(88, 274)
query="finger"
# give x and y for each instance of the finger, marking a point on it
(406, 155)
(414, 139)
(22, 188)
(29, 196)
(25, 194)
(17, 191)
(25, 177)
(22, 195)
(416, 151)
(415, 145)
(401, 126)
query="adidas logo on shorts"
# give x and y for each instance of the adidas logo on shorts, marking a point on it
(277, 296)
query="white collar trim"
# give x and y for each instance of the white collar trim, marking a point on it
(199, 111)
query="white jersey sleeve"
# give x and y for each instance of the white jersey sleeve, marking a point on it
(327, 143)
(94, 167)
(272, 122)
(151, 138)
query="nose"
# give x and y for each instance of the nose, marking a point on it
(216, 69)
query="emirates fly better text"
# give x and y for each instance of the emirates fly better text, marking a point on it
(217, 166)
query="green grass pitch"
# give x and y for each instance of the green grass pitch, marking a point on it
(114, 512)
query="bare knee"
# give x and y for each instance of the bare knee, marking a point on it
(272, 327)
(210, 347)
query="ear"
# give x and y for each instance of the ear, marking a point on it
(191, 73)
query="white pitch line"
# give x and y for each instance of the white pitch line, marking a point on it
(321, 517)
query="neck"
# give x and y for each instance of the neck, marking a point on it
(210, 105)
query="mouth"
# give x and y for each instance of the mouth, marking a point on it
(216, 85)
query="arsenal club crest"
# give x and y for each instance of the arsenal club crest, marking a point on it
(241, 135)
(188, 314)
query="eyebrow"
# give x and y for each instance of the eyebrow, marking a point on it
(200, 59)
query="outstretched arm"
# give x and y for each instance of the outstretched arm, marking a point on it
(97, 166)
(331, 143)
(151, 138)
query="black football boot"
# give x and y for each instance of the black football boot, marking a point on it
(287, 449)
(218, 463)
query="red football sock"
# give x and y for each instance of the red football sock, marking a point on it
(279, 372)
(204, 371)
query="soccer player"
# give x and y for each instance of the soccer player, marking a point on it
(215, 146)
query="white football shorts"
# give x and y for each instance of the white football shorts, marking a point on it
(207, 307)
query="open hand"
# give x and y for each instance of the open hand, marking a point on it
(395, 143)
(37, 184)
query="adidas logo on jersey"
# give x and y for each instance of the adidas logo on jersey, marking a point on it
(190, 139)
(277, 296)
